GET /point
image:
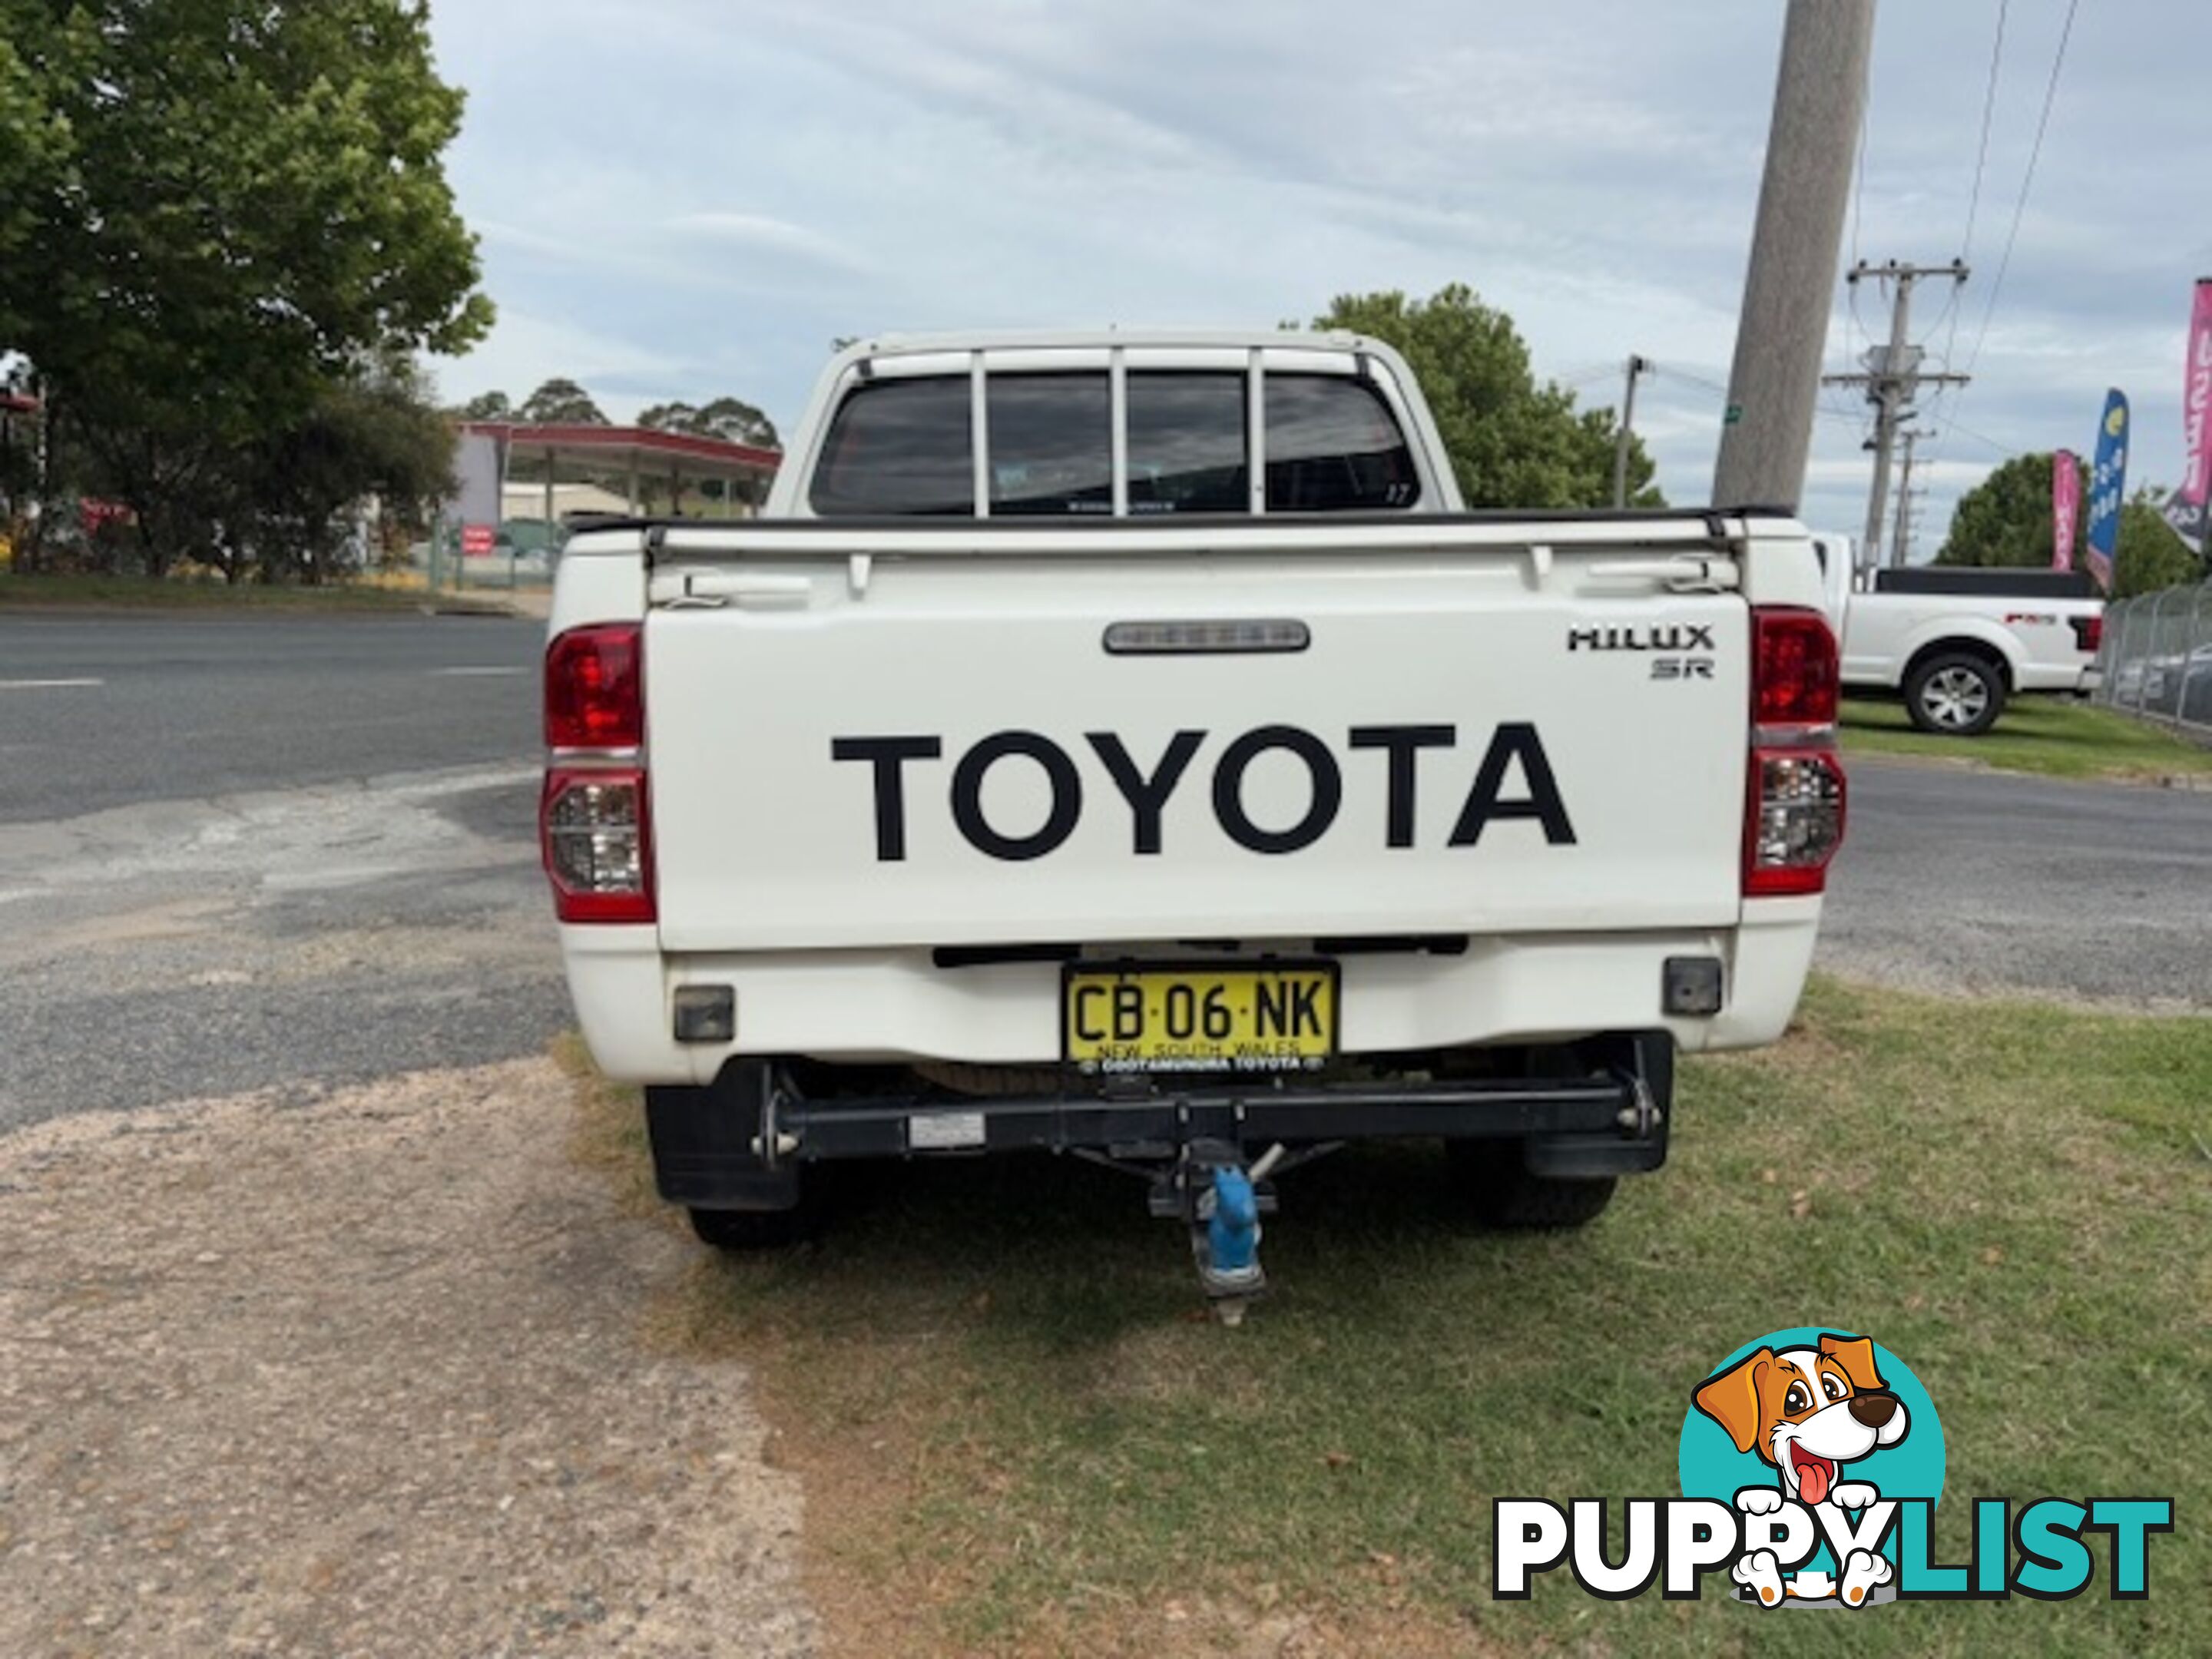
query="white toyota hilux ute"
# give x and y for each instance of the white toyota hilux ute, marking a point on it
(1125, 746)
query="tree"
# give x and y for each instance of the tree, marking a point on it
(242, 199)
(561, 402)
(731, 420)
(2005, 519)
(1512, 443)
(486, 406)
(373, 434)
(32, 145)
(2150, 555)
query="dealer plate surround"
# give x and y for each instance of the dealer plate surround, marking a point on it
(1210, 1017)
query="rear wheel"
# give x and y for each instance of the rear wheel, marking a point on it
(738, 1230)
(1500, 1192)
(1955, 694)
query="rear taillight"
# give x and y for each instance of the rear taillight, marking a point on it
(2088, 632)
(1795, 675)
(597, 830)
(1794, 801)
(594, 819)
(595, 689)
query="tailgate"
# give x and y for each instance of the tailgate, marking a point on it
(943, 751)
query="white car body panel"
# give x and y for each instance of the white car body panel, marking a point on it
(1882, 634)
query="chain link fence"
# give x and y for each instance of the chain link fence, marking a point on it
(2157, 656)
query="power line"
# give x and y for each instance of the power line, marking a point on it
(1989, 109)
(1952, 308)
(1954, 424)
(2027, 183)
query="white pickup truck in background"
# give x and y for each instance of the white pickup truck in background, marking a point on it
(1124, 745)
(1957, 641)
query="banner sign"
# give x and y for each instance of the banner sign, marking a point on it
(477, 540)
(2065, 507)
(2188, 510)
(2108, 485)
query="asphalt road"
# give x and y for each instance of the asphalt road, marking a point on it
(102, 710)
(274, 851)
(1953, 880)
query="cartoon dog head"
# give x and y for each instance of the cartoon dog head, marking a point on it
(1807, 1411)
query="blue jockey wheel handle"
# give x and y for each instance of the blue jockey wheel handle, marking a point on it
(1232, 1232)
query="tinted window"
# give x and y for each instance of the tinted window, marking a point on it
(1052, 443)
(900, 446)
(1187, 444)
(1333, 447)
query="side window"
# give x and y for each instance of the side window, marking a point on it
(899, 446)
(1187, 443)
(1051, 444)
(1333, 447)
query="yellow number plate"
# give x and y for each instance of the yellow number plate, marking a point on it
(1275, 1018)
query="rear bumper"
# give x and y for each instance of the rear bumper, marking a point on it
(2056, 676)
(737, 1142)
(1620, 1110)
(861, 1006)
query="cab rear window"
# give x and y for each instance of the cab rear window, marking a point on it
(1334, 446)
(899, 446)
(1052, 443)
(905, 446)
(1187, 443)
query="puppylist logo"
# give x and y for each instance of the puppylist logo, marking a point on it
(1811, 1462)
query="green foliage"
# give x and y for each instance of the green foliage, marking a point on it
(33, 147)
(731, 420)
(486, 406)
(229, 206)
(558, 403)
(1512, 443)
(374, 432)
(2005, 519)
(2150, 556)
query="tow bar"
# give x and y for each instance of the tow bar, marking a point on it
(1213, 1194)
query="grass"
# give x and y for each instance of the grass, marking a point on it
(1017, 1433)
(2047, 736)
(179, 594)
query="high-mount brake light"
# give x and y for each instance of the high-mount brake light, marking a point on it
(594, 819)
(1794, 799)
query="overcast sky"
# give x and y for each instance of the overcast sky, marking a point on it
(681, 198)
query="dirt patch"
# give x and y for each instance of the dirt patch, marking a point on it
(364, 1374)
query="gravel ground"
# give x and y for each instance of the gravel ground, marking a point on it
(178, 950)
(363, 1374)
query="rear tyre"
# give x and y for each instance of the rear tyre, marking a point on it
(1500, 1193)
(1955, 694)
(742, 1231)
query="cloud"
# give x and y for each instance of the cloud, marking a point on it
(753, 176)
(762, 234)
(524, 350)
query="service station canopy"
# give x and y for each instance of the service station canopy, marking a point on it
(635, 452)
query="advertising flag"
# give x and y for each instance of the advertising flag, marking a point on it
(2065, 507)
(2108, 485)
(2188, 510)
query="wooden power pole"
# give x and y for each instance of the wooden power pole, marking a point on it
(1892, 379)
(1820, 97)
